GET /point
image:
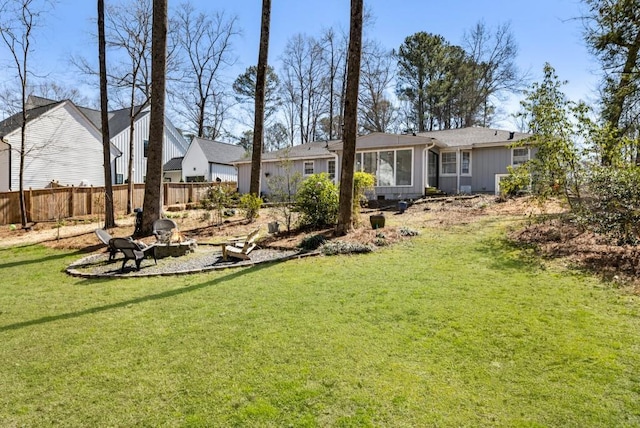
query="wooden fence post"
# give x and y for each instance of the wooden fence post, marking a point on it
(27, 205)
(70, 205)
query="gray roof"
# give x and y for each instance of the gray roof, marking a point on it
(14, 122)
(174, 164)
(316, 149)
(474, 137)
(218, 152)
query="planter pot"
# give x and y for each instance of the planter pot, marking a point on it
(377, 221)
(274, 227)
(402, 206)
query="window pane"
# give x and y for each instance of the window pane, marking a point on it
(449, 163)
(358, 166)
(308, 168)
(520, 156)
(370, 162)
(465, 163)
(403, 168)
(385, 169)
(331, 169)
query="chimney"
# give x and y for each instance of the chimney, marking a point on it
(511, 134)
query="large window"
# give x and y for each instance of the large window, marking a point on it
(519, 156)
(390, 167)
(448, 163)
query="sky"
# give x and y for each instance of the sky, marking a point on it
(544, 30)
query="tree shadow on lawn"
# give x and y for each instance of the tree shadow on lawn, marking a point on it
(22, 262)
(507, 255)
(152, 297)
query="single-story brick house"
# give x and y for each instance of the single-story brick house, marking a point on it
(467, 160)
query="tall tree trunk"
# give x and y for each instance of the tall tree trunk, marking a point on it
(109, 217)
(23, 151)
(152, 207)
(345, 213)
(261, 78)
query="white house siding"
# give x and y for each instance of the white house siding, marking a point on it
(172, 176)
(195, 162)
(5, 171)
(244, 177)
(174, 146)
(223, 172)
(63, 147)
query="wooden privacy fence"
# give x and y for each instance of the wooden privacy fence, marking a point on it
(58, 203)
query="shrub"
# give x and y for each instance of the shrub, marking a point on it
(317, 201)
(341, 247)
(612, 207)
(406, 231)
(216, 199)
(362, 183)
(250, 204)
(312, 242)
(518, 181)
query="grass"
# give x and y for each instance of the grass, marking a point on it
(453, 328)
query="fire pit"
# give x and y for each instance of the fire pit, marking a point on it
(175, 249)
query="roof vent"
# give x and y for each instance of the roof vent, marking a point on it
(511, 134)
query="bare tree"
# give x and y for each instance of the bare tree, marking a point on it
(261, 83)
(152, 207)
(109, 217)
(18, 22)
(377, 112)
(302, 80)
(335, 60)
(206, 44)
(345, 212)
(492, 69)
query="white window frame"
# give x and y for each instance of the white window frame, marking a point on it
(304, 167)
(335, 170)
(360, 157)
(513, 155)
(448, 174)
(468, 173)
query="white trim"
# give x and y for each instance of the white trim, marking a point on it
(519, 148)
(335, 169)
(468, 174)
(498, 178)
(448, 174)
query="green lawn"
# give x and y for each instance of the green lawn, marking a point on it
(452, 328)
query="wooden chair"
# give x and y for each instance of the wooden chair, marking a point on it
(133, 251)
(240, 250)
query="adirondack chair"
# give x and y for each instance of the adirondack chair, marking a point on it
(240, 250)
(132, 251)
(105, 238)
(162, 229)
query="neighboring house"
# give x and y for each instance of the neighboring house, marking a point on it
(172, 170)
(58, 132)
(310, 158)
(468, 160)
(63, 145)
(207, 160)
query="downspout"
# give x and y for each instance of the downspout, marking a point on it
(458, 170)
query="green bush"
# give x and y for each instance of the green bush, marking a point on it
(517, 182)
(317, 201)
(250, 204)
(612, 207)
(312, 242)
(341, 247)
(362, 183)
(216, 199)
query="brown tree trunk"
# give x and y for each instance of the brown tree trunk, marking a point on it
(261, 73)
(152, 207)
(109, 217)
(345, 213)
